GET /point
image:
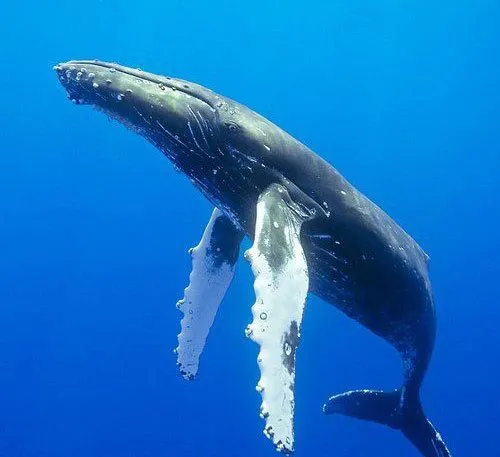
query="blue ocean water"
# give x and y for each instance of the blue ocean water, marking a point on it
(402, 97)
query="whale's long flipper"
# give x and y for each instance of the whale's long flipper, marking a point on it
(281, 284)
(214, 262)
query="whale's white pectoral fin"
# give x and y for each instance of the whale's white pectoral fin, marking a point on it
(281, 285)
(214, 262)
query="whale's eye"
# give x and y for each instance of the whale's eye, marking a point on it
(232, 126)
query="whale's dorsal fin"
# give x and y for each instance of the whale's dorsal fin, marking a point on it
(214, 262)
(281, 284)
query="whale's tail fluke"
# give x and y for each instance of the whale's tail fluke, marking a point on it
(395, 409)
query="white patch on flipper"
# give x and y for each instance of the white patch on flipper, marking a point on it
(202, 297)
(277, 315)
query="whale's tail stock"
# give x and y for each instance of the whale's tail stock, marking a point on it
(395, 409)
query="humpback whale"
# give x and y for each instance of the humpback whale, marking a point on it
(312, 232)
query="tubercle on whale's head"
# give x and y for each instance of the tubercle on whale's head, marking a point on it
(181, 114)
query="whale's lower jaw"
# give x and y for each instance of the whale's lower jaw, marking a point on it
(182, 113)
(177, 117)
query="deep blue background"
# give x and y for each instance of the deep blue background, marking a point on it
(402, 97)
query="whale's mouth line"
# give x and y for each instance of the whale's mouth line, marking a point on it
(176, 84)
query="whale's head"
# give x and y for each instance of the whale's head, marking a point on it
(189, 116)
(227, 150)
(177, 116)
